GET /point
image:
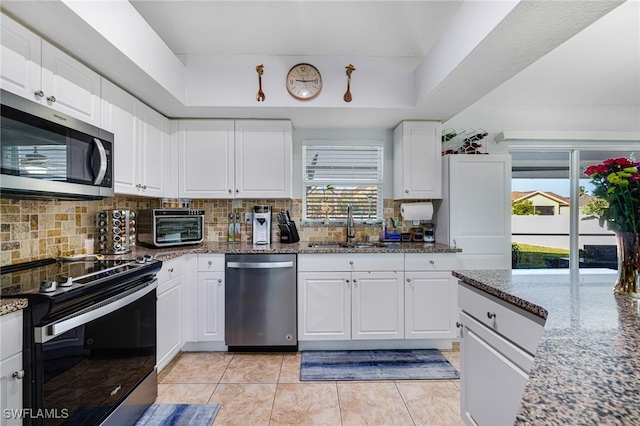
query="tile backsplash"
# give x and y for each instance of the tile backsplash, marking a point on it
(36, 229)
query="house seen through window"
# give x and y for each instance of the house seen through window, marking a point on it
(334, 176)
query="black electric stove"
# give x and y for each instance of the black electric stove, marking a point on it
(89, 332)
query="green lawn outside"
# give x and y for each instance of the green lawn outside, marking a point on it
(533, 257)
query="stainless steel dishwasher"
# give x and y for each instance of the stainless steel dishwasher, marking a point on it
(260, 300)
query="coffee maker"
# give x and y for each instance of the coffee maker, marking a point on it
(262, 224)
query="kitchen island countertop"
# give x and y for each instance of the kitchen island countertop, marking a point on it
(278, 248)
(587, 366)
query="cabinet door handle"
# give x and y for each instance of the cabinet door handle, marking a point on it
(406, 191)
(351, 262)
(170, 270)
(51, 98)
(18, 374)
(237, 190)
(432, 262)
(219, 282)
(408, 280)
(230, 191)
(210, 263)
(458, 324)
(39, 93)
(144, 186)
(347, 280)
(491, 315)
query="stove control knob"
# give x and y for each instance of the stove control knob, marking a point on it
(148, 257)
(47, 286)
(65, 281)
(141, 260)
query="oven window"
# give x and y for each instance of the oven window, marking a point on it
(178, 229)
(91, 368)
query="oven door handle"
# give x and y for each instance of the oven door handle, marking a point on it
(50, 331)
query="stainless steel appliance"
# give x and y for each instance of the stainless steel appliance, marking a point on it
(47, 154)
(262, 224)
(170, 227)
(89, 339)
(260, 301)
(116, 231)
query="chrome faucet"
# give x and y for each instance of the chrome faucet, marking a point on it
(350, 224)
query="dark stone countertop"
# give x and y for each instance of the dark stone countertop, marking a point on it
(278, 248)
(586, 370)
(11, 305)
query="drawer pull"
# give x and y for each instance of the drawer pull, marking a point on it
(458, 324)
(210, 263)
(18, 374)
(432, 262)
(170, 270)
(491, 315)
(351, 262)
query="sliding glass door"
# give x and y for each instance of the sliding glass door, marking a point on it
(553, 207)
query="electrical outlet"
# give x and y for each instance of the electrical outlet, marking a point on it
(248, 217)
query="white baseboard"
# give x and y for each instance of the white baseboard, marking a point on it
(204, 346)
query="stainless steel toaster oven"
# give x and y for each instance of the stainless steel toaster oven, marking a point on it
(170, 227)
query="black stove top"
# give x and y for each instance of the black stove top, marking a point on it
(32, 278)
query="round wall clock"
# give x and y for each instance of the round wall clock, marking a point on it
(304, 82)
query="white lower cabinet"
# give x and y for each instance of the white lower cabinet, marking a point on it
(324, 305)
(494, 360)
(430, 308)
(348, 303)
(11, 372)
(210, 323)
(377, 305)
(170, 311)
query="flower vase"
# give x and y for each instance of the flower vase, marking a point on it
(628, 280)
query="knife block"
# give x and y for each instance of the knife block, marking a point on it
(288, 233)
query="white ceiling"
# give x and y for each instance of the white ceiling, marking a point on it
(314, 28)
(538, 53)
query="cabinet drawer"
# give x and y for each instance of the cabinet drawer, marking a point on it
(521, 327)
(211, 263)
(430, 261)
(11, 332)
(170, 270)
(351, 262)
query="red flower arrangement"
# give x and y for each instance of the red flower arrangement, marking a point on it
(617, 182)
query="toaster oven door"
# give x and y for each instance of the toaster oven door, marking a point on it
(175, 230)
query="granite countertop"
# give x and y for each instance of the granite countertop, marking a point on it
(278, 248)
(587, 366)
(11, 305)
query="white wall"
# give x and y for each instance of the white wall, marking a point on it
(537, 225)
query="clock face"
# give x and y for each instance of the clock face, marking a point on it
(304, 81)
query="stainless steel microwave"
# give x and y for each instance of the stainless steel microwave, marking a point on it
(170, 227)
(47, 154)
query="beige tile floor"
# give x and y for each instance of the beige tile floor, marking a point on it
(264, 389)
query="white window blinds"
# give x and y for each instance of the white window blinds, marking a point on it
(335, 176)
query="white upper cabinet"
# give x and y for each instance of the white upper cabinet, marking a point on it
(416, 160)
(36, 70)
(21, 61)
(153, 151)
(141, 143)
(263, 157)
(206, 158)
(241, 159)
